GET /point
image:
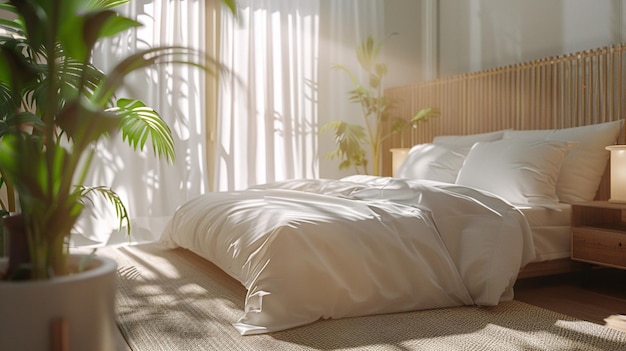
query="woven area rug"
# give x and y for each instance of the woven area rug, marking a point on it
(174, 300)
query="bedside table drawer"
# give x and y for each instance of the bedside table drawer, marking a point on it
(596, 245)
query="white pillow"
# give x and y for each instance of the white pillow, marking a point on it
(522, 171)
(468, 140)
(585, 164)
(433, 162)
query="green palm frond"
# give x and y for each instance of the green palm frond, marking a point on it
(367, 54)
(74, 79)
(105, 4)
(75, 75)
(13, 122)
(398, 125)
(232, 6)
(424, 114)
(7, 107)
(112, 197)
(349, 139)
(16, 26)
(140, 123)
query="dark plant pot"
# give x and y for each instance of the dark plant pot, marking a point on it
(18, 252)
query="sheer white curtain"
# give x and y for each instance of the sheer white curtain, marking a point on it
(267, 111)
(152, 188)
(283, 87)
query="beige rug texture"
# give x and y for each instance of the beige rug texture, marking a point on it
(174, 300)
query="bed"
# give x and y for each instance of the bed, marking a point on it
(552, 93)
(312, 249)
(466, 214)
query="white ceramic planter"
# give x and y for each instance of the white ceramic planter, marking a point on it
(85, 302)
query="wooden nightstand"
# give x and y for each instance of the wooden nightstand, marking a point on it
(599, 233)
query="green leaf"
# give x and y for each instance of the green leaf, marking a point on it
(232, 5)
(9, 160)
(22, 164)
(17, 69)
(381, 69)
(14, 122)
(366, 55)
(350, 139)
(7, 102)
(85, 123)
(115, 25)
(90, 26)
(375, 81)
(35, 17)
(94, 20)
(424, 114)
(104, 4)
(6, 75)
(28, 118)
(12, 26)
(353, 79)
(140, 123)
(75, 75)
(7, 7)
(398, 125)
(108, 194)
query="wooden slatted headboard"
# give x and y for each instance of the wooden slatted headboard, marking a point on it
(557, 92)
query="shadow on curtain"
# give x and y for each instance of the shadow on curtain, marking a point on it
(151, 188)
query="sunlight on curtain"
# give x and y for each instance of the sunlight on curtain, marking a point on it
(267, 111)
(151, 188)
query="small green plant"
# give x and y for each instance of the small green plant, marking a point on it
(353, 139)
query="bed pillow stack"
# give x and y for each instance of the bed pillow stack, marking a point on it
(585, 164)
(534, 167)
(523, 171)
(442, 159)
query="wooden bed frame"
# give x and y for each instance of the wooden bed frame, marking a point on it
(571, 90)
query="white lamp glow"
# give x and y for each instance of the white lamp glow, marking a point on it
(397, 157)
(618, 173)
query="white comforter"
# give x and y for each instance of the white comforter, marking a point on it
(311, 249)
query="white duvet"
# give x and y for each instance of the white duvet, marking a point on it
(312, 249)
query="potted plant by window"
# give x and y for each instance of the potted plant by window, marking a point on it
(55, 106)
(354, 139)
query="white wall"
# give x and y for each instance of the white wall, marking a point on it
(480, 34)
(402, 52)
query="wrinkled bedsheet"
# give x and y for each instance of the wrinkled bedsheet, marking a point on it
(313, 249)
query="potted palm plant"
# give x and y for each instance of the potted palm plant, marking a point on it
(354, 139)
(55, 106)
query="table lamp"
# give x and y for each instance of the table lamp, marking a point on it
(618, 173)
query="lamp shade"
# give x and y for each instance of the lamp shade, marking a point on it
(618, 173)
(397, 157)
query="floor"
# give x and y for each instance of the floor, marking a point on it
(592, 295)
